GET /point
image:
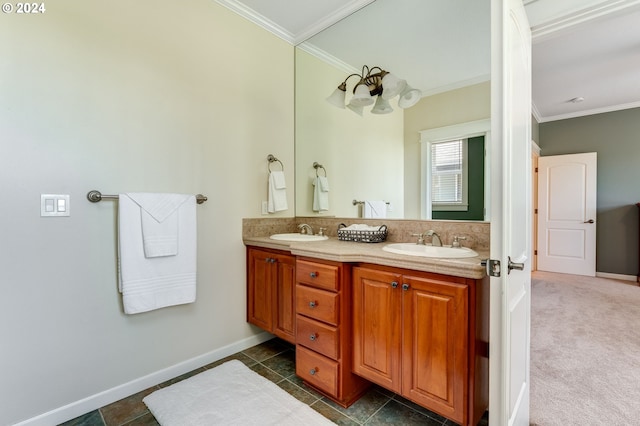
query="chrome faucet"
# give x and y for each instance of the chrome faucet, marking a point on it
(305, 229)
(435, 238)
(456, 241)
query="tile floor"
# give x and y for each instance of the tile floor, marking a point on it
(275, 361)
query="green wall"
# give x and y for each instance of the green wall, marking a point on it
(475, 173)
(615, 136)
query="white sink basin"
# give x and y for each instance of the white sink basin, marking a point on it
(294, 236)
(412, 249)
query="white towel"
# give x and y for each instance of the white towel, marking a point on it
(159, 215)
(375, 209)
(277, 192)
(149, 283)
(320, 194)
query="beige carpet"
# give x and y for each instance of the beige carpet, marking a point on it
(585, 351)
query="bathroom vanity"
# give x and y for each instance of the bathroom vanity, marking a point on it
(360, 315)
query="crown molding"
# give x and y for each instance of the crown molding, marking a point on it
(258, 19)
(294, 39)
(328, 58)
(585, 113)
(552, 27)
(331, 19)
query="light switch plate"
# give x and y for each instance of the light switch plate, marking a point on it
(54, 205)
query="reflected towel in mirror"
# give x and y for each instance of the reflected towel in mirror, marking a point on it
(320, 194)
(375, 209)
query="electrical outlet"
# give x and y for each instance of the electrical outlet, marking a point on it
(265, 207)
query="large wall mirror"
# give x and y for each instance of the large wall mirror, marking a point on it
(442, 48)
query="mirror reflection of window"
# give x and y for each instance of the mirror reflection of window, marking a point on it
(449, 175)
(454, 181)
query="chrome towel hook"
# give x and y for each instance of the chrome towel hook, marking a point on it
(271, 159)
(317, 166)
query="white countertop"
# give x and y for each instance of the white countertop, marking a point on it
(347, 251)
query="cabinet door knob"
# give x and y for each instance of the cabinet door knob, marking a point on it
(313, 304)
(313, 274)
(394, 284)
(405, 287)
(313, 336)
(313, 371)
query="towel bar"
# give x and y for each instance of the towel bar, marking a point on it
(95, 196)
(356, 202)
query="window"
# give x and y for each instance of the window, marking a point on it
(444, 180)
(449, 175)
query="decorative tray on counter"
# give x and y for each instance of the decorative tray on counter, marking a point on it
(362, 233)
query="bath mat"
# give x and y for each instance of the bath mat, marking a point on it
(229, 394)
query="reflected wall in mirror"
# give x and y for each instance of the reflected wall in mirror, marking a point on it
(440, 47)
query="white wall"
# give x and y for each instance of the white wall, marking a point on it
(126, 96)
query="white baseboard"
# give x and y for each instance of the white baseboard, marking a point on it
(93, 402)
(616, 276)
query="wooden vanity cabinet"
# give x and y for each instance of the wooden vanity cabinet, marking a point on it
(417, 334)
(271, 291)
(323, 342)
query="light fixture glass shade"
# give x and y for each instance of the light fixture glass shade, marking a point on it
(357, 109)
(337, 98)
(361, 97)
(392, 86)
(409, 97)
(381, 107)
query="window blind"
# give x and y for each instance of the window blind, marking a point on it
(446, 172)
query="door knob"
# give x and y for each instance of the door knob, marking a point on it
(589, 221)
(513, 265)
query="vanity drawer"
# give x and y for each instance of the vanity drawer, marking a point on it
(318, 304)
(317, 336)
(317, 275)
(319, 371)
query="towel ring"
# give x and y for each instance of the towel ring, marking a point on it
(317, 166)
(271, 159)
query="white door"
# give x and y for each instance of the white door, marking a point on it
(567, 213)
(511, 213)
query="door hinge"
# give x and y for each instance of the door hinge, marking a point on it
(535, 252)
(535, 211)
(493, 267)
(536, 169)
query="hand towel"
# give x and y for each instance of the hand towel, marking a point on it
(375, 209)
(159, 216)
(320, 194)
(149, 283)
(277, 197)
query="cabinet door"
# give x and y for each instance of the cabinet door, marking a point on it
(377, 300)
(435, 364)
(261, 275)
(285, 311)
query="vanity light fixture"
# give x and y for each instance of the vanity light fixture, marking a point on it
(375, 88)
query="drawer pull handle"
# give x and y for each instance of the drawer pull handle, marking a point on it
(313, 275)
(313, 336)
(313, 304)
(394, 284)
(313, 371)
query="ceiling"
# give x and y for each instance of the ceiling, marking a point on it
(585, 53)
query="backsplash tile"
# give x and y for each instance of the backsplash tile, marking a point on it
(477, 234)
